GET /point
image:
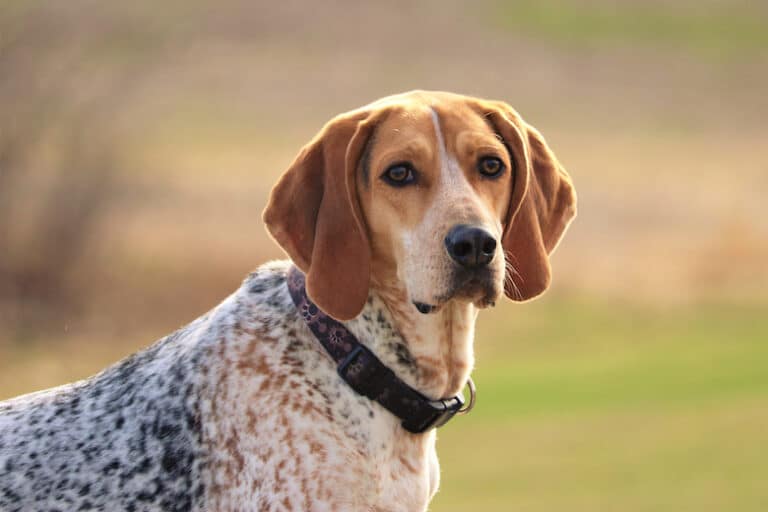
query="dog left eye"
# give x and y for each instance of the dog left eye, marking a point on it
(399, 175)
(490, 166)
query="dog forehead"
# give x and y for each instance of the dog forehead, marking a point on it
(421, 117)
(410, 126)
(458, 119)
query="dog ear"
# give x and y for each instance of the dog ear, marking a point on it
(314, 214)
(542, 204)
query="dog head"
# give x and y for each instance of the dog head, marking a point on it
(453, 197)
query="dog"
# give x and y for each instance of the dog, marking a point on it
(319, 383)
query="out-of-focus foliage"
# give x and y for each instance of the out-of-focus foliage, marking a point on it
(714, 29)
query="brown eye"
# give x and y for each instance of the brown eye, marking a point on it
(490, 166)
(399, 175)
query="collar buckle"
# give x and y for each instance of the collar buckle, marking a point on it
(442, 412)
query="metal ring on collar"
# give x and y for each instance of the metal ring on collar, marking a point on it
(472, 398)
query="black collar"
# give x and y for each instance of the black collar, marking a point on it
(365, 373)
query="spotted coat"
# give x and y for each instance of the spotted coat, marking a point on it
(240, 410)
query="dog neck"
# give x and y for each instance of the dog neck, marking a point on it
(432, 353)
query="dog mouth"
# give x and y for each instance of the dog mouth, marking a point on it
(424, 308)
(480, 289)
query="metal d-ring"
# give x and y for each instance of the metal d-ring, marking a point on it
(472, 398)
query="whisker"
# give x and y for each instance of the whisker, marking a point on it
(511, 271)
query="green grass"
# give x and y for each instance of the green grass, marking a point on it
(721, 31)
(587, 406)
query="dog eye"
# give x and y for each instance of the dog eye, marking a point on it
(399, 175)
(490, 166)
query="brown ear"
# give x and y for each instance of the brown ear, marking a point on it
(542, 204)
(314, 214)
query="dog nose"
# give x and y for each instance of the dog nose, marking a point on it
(470, 246)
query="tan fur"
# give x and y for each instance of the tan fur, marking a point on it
(336, 227)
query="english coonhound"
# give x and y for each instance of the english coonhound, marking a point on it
(318, 384)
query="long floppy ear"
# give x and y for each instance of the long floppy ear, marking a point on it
(314, 214)
(542, 204)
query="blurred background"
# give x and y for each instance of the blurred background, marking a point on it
(139, 140)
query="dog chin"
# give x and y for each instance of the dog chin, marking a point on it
(480, 293)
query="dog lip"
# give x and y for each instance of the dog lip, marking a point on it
(478, 287)
(424, 308)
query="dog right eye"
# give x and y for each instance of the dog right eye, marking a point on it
(399, 175)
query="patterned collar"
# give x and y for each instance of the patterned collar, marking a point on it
(365, 373)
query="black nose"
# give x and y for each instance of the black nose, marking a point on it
(470, 246)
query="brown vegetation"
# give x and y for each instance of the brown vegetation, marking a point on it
(138, 143)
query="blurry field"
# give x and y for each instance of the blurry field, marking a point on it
(585, 407)
(717, 29)
(138, 144)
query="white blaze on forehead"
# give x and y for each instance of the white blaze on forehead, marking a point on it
(439, 134)
(450, 171)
